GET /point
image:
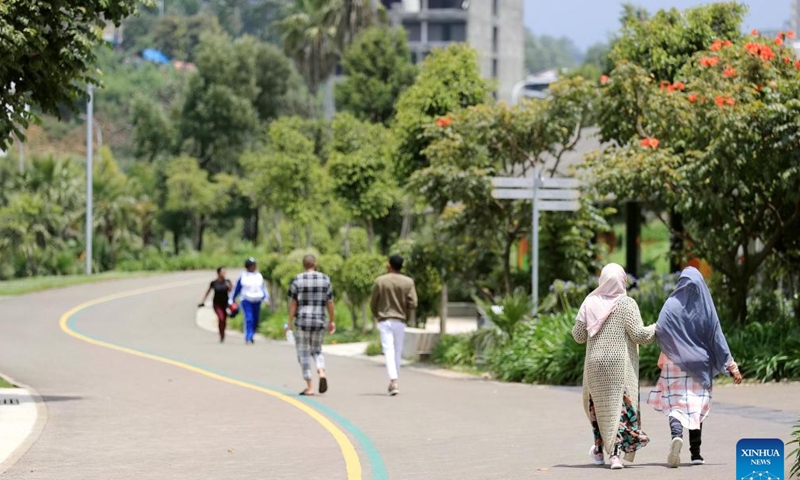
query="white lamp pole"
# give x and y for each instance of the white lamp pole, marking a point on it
(89, 168)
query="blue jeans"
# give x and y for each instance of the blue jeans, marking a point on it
(251, 312)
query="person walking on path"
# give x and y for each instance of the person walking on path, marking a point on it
(222, 288)
(393, 304)
(310, 295)
(693, 352)
(610, 324)
(254, 292)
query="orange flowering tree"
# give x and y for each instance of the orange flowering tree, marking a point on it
(720, 144)
(469, 146)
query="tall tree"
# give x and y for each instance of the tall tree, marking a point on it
(377, 68)
(49, 66)
(218, 117)
(716, 144)
(544, 52)
(361, 172)
(310, 38)
(287, 176)
(449, 80)
(316, 33)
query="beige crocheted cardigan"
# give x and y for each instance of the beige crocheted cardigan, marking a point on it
(611, 368)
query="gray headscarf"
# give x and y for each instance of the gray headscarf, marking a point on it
(688, 330)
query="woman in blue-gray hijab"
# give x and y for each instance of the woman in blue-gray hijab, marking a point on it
(693, 352)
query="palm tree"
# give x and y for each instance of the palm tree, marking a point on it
(316, 32)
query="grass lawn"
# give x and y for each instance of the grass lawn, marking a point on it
(655, 247)
(35, 284)
(4, 384)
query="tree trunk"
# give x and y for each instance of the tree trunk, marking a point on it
(364, 317)
(370, 236)
(176, 241)
(347, 241)
(308, 237)
(739, 290)
(353, 315)
(276, 221)
(443, 309)
(676, 241)
(633, 234)
(256, 213)
(507, 265)
(201, 228)
(405, 232)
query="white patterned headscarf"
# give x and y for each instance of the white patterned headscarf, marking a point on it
(598, 305)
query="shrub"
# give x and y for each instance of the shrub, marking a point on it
(541, 352)
(512, 312)
(374, 349)
(455, 350)
(795, 472)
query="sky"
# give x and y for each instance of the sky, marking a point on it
(588, 22)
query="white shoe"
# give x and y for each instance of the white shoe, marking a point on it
(597, 456)
(616, 463)
(674, 457)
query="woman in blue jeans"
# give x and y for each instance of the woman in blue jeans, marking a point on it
(254, 292)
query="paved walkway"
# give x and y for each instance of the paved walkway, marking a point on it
(145, 394)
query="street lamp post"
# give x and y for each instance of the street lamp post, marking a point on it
(89, 168)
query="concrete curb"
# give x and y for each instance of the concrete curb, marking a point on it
(27, 395)
(207, 320)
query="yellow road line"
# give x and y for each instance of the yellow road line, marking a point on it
(352, 463)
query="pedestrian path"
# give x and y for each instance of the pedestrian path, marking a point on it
(169, 401)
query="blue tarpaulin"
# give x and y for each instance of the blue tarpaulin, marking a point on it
(155, 56)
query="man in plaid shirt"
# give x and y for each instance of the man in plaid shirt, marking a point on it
(311, 294)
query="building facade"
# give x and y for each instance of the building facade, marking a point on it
(494, 28)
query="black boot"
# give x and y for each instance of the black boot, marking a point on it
(695, 439)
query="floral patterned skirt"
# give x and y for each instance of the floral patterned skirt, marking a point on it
(630, 436)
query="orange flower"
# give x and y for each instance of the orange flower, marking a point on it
(720, 101)
(603, 79)
(444, 121)
(692, 97)
(709, 61)
(679, 86)
(754, 32)
(665, 85)
(797, 64)
(728, 43)
(778, 41)
(787, 60)
(767, 53)
(730, 101)
(650, 143)
(730, 72)
(790, 34)
(752, 48)
(716, 46)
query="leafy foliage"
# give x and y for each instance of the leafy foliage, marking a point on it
(47, 66)
(361, 170)
(377, 68)
(718, 149)
(356, 279)
(543, 52)
(449, 80)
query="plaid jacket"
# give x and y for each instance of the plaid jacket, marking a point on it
(311, 290)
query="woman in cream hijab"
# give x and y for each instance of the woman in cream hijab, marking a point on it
(611, 326)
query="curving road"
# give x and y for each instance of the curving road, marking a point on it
(134, 390)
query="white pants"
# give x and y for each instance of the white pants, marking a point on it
(392, 333)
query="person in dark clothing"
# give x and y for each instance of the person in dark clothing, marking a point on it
(222, 288)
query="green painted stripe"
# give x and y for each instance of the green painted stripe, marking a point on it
(377, 466)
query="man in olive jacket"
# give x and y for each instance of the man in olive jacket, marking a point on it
(394, 302)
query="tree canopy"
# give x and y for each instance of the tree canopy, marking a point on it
(48, 50)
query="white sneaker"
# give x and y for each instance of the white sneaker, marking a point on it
(597, 456)
(616, 463)
(674, 457)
